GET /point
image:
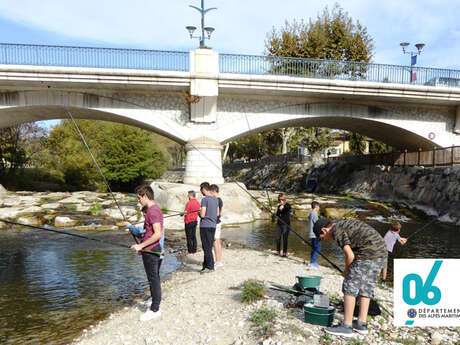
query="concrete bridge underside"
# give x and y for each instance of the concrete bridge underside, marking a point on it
(404, 127)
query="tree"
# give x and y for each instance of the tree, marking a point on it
(357, 143)
(255, 146)
(332, 36)
(18, 146)
(376, 146)
(125, 154)
(317, 139)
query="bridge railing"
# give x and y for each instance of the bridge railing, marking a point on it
(47, 55)
(342, 70)
(447, 156)
(66, 56)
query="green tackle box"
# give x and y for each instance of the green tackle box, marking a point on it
(318, 315)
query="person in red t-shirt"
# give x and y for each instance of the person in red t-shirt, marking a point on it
(190, 219)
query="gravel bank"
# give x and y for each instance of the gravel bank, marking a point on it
(206, 309)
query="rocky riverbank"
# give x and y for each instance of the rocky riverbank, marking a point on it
(434, 191)
(90, 211)
(207, 309)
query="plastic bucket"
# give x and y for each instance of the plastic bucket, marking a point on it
(309, 281)
(317, 315)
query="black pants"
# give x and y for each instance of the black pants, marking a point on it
(207, 240)
(152, 265)
(282, 231)
(190, 233)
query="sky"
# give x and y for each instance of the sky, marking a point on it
(240, 26)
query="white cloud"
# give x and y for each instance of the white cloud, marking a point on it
(241, 26)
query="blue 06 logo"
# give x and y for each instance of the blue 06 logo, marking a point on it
(422, 290)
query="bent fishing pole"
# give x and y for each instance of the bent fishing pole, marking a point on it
(77, 235)
(98, 168)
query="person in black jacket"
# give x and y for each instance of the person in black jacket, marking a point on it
(283, 214)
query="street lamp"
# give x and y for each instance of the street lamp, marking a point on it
(413, 57)
(209, 30)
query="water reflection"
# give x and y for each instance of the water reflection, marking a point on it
(435, 241)
(52, 286)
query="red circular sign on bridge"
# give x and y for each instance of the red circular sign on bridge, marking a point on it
(431, 135)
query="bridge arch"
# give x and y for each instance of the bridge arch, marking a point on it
(30, 106)
(386, 124)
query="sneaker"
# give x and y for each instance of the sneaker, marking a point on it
(360, 327)
(341, 329)
(383, 284)
(218, 264)
(284, 255)
(313, 265)
(206, 270)
(149, 315)
(277, 253)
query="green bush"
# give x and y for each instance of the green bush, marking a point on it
(262, 320)
(252, 291)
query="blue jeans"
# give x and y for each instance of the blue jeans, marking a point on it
(315, 249)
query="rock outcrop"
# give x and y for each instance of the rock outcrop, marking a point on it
(435, 191)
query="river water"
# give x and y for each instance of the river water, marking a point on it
(53, 286)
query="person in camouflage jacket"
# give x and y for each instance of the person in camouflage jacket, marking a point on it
(365, 255)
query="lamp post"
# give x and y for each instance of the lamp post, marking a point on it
(413, 57)
(209, 30)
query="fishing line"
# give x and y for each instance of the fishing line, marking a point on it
(76, 235)
(98, 168)
(422, 228)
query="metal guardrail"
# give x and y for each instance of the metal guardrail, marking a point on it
(342, 70)
(44, 55)
(447, 156)
(47, 55)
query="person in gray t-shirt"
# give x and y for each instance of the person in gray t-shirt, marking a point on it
(315, 242)
(208, 215)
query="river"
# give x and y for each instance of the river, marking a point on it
(53, 286)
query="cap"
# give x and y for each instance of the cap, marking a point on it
(320, 223)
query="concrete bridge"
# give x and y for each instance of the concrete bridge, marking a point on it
(205, 100)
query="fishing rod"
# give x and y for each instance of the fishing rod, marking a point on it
(180, 213)
(98, 168)
(422, 228)
(77, 235)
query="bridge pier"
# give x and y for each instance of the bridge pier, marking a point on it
(203, 161)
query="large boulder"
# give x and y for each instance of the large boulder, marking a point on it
(30, 220)
(335, 213)
(116, 214)
(62, 222)
(238, 205)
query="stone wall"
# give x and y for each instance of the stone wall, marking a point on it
(435, 191)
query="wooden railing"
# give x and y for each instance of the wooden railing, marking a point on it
(447, 156)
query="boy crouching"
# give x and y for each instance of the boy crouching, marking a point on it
(365, 254)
